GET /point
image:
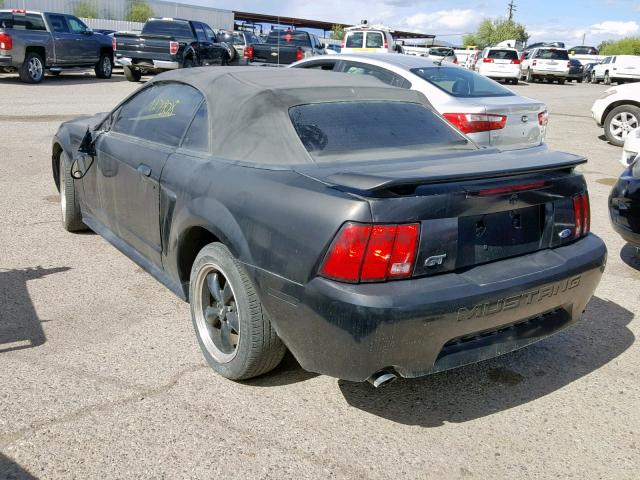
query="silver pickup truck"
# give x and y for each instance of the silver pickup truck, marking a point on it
(33, 42)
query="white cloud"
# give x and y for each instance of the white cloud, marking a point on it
(454, 19)
(612, 27)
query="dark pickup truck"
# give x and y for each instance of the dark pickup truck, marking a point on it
(169, 44)
(284, 47)
(33, 42)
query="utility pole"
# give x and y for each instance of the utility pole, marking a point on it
(511, 8)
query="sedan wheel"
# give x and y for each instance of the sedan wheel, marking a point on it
(619, 122)
(233, 330)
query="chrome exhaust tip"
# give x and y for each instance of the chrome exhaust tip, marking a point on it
(381, 379)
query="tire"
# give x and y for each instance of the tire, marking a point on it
(71, 217)
(529, 76)
(104, 67)
(619, 122)
(32, 69)
(239, 346)
(131, 74)
(561, 81)
(607, 79)
(189, 63)
(579, 80)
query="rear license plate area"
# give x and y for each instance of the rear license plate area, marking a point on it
(484, 238)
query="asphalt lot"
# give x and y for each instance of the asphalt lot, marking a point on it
(101, 375)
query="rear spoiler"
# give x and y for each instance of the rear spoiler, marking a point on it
(433, 172)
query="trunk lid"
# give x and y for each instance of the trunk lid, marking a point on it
(522, 128)
(472, 208)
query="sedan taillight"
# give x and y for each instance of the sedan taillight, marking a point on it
(582, 211)
(6, 42)
(173, 47)
(248, 53)
(476, 122)
(487, 60)
(543, 118)
(372, 253)
(516, 61)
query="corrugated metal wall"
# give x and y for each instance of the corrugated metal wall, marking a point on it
(117, 9)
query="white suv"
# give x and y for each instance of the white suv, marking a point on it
(500, 63)
(367, 39)
(618, 111)
(546, 62)
(619, 68)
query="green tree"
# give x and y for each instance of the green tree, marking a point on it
(1, 3)
(337, 32)
(139, 11)
(85, 9)
(490, 32)
(625, 46)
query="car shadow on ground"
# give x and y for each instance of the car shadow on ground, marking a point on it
(64, 79)
(288, 372)
(631, 256)
(478, 390)
(10, 470)
(20, 326)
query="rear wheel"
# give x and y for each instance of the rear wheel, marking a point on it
(131, 74)
(619, 122)
(71, 217)
(104, 67)
(234, 332)
(579, 80)
(561, 81)
(189, 63)
(529, 76)
(607, 79)
(32, 69)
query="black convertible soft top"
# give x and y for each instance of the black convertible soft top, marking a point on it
(249, 106)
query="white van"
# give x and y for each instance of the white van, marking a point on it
(371, 39)
(500, 63)
(618, 68)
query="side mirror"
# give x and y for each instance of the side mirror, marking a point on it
(88, 31)
(87, 146)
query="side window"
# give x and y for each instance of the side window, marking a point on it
(607, 60)
(381, 74)
(58, 24)
(323, 65)
(209, 32)
(160, 113)
(76, 25)
(202, 37)
(197, 136)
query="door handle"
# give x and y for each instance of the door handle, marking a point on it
(144, 169)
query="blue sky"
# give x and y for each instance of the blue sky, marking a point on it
(560, 20)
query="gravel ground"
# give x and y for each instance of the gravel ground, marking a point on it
(101, 375)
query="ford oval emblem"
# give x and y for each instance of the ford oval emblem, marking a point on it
(566, 233)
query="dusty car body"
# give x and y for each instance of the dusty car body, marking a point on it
(368, 250)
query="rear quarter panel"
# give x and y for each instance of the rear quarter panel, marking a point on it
(275, 220)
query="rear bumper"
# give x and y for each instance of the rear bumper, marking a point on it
(501, 73)
(430, 324)
(624, 209)
(148, 64)
(6, 61)
(549, 73)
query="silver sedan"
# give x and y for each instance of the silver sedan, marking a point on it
(489, 113)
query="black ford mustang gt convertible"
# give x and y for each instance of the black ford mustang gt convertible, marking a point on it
(333, 216)
(624, 205)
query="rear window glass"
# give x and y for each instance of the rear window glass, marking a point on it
(328, 129)
(167, 27)
(231, 38)
(298, 39)
(503, 54)
(354, 40)
(374, 40)
(459, 82)
(552, 54)
(441, 52)
(29, 21)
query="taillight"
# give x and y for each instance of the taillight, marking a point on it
(487, 60)
(386, 44)
(543, 118)
(173, 47)
(248, 53)
(515, 61)
(487, 192)
(568, 64)
(6, 42)
(455, 60)
(113, 43)
(582, 211)
(372, 253)
(299, 54)
(476, 122)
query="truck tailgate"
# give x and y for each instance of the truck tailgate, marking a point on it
(144, 46)
(272, 53)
